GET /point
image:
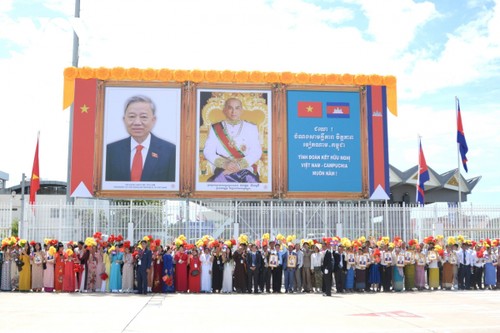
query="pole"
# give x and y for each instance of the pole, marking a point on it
(74, 63)
(21, 222)
(459, 204)
(418, 170)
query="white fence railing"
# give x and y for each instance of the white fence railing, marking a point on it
(195, 218)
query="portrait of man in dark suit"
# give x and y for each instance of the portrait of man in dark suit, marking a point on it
(141, 157)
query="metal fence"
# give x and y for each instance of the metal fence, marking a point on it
(226, 219)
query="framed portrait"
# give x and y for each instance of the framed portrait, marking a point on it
(420, 259)
(292, 261)
(453, 259)
(432, 255)
(234, 141)
(273, 260)
(388, 257)
(140, 139)
(494, 260)
(408, 257)
(350, 258)
(400, 260)
(362, 261)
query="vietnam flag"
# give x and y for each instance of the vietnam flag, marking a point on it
(35, 175)
(310, 109)
(82, 145)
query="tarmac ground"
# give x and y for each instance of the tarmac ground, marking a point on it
(408, 312)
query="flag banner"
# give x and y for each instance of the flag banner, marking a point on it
(423, 176)
(82, 147)
(462, 144)
(35, 176)
(310, 109)
(378, 151)
(337, 110)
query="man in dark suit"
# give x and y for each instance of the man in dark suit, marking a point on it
(143, 267)
(339, 268)
(142, 156)
(254, 263)
(327, 268)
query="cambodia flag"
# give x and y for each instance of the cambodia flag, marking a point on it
(310, 109)
(423, 176)
(337, 110)
(35, 175)
(462, 144)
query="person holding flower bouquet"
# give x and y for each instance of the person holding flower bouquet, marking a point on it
(48, 274)
(5, 279)
(420, 272)
(37, 261)
(181, 270)
(227, 279)
(433, 257)
(206, 271)
(25, 272)
(195, 265)
(69, 279)
(59, 267)
(168, 271)
(115, 278)
(128, 269)
(91, 275)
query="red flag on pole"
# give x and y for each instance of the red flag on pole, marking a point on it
(35, 175)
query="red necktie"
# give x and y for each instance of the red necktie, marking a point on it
(135, 174)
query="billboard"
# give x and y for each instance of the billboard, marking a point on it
(203, 134)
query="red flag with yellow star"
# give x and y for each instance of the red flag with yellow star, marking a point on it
(310, 109)
(82, 146)
(35, 175)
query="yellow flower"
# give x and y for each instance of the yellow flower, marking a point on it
(86, 72)
(149, 74)
(181, 75)
(196, 75)
(272, 77)
(302, 78)
(317, 78)
(287, 77)
(375, 79)
(102, 73)
(347, 79)
(361, 79)
(266, 236)
(70, 73)
(117, 73)
(256, 76)
(212, 76)
(332, 79)
(165, 74)
(52, 251)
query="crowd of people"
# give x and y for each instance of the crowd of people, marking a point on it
(281, 264)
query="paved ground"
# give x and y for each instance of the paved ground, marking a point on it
(441, 311)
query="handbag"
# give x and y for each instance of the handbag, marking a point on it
(44, 265)
(195, 272)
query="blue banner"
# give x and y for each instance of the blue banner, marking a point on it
(324, 144)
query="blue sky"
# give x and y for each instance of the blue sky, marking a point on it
(436, 49)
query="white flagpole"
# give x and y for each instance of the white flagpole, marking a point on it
(418, 169)
(458, 154)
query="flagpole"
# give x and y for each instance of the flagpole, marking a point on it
(74, 62)
(458, 154)
(418, 168)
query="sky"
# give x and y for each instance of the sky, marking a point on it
(436, 49)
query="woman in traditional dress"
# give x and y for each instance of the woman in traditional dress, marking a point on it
(69, 280)
(5, 284)
(91, 274)
(490, 276)
(48, 274)
(217, 270)
(398, 273)
(227, 277)
(360, 273)
(14, 267)
(157, 269)
(409, 269)
(240, 275)
(168, 271)
(128, 270)
(115, 278)
(181, 271)
(107, 268)
(25, 273)
(59, 268)
(99, 282)
(375, 277)
(195, 266)
(206, 271)
(449, 261)
(37, 259)
(432, 260)
(420, 273)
